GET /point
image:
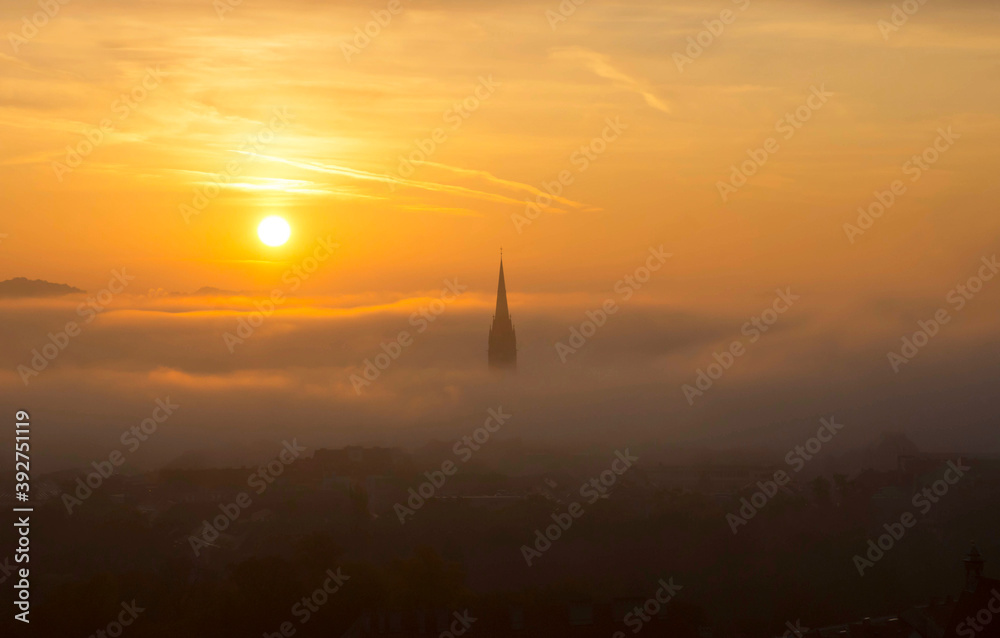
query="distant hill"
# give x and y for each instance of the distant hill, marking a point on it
(209, 291)
(23, 287)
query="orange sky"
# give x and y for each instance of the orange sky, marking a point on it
(203, 85)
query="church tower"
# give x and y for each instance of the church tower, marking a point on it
(503, 343)
(973, 569)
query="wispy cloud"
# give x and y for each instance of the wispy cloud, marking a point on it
(442, 210)
(299, 186)
(353, 173)
(490, 177)
(600, 65)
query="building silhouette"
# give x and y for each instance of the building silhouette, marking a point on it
(978, 605)
(502, 351)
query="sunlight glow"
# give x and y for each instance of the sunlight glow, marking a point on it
(274, 231)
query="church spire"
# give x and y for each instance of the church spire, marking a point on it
(503, 342)
(502, 312)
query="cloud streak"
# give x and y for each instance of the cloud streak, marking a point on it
(434, 187)
(601, 65)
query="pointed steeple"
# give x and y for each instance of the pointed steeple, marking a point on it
(502, 351)
(502, 312)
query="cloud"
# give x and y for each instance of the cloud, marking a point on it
(516, 186)
(601, 65)
(295, 370)
(435, 187)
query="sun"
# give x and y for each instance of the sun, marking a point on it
(274, 231)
